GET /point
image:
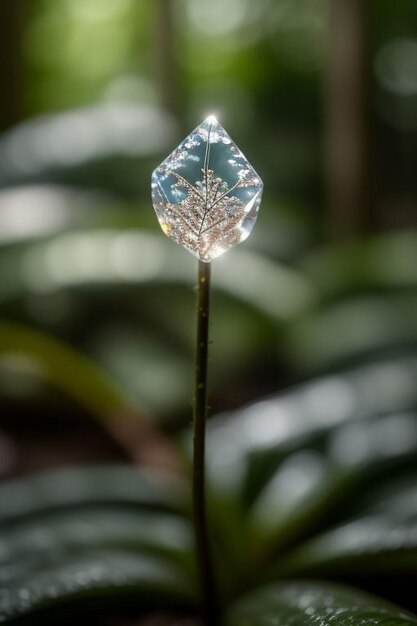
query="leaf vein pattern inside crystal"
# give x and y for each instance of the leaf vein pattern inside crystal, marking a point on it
(206, 194)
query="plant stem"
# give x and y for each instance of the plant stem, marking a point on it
(208, 587)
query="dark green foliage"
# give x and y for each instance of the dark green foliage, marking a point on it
(316, 482)
(293, 604)
(88, 538)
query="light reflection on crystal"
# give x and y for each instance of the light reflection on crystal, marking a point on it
(206, 195)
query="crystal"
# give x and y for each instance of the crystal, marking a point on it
(206, 195)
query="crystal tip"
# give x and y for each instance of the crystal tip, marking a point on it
(211, 119)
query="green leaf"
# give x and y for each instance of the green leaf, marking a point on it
(316, 487)
(67, 369)
(382, 262)
(352, 330)
(90, 486)
(246, 447)
(137, 257)
(33, 545)
(396, 499)
(289, 466)
(81, 379)
(370, 545)
(90, 538)
(95, 580)
(307, 603)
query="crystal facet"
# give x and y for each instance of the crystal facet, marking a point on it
(206, 194)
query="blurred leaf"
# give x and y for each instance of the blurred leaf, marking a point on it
(384, 262)
(85, 537)
(100, 581)
(145, 363)
(28, 212)
(280, 424)
(66, 368)
(32, 545)
(125, 281)
(367, 289)
(314, 486)
(126, 257)
(381, 541)
(82, 137)
(83, 381)
(305, 603)
(82, 487)
(396, 498)
(287, 467)
(371, 545)
(353, 329)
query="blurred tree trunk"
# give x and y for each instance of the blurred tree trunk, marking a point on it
(12, 14)
(166, 58)
(347, 120)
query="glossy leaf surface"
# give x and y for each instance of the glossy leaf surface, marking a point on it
(308, 603)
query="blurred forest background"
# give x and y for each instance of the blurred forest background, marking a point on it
(97, 305)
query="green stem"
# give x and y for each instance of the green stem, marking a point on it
(208, 584)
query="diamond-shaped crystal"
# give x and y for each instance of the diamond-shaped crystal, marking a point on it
(206, 194)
